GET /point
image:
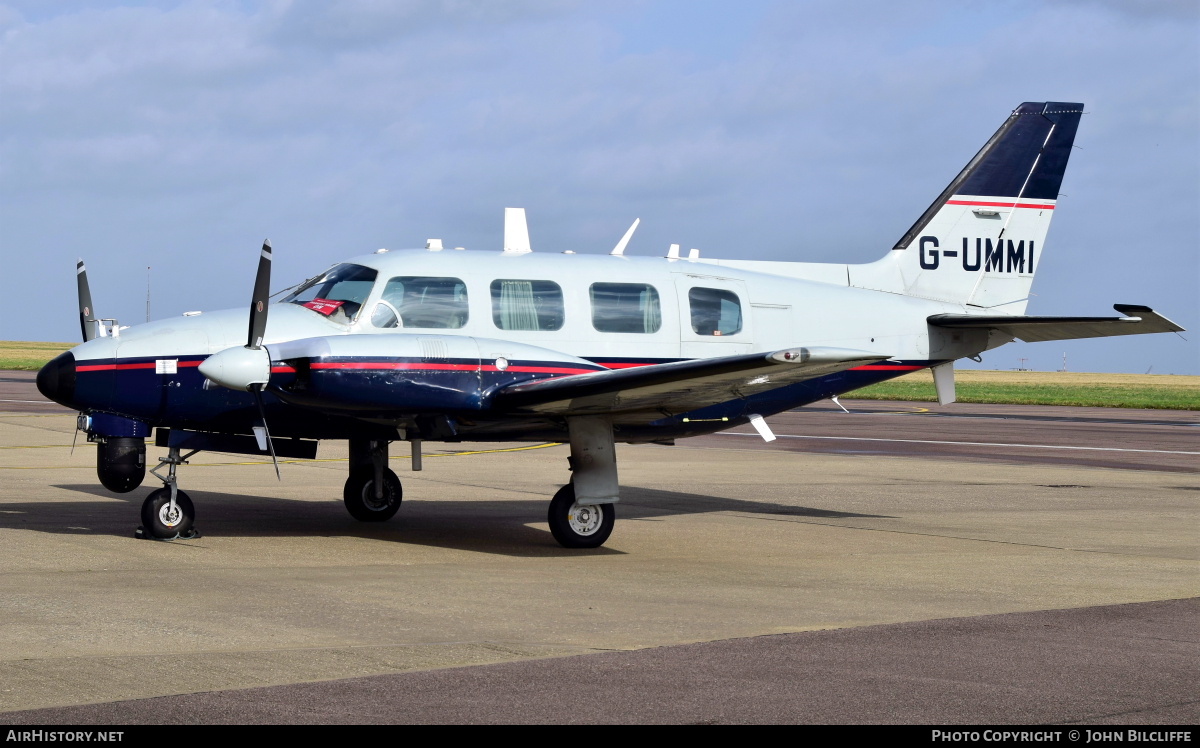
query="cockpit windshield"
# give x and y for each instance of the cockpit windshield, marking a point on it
(338, 293)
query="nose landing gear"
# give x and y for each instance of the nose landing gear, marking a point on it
(168, 513)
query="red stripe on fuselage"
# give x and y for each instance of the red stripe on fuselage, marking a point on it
(392, 366)
(387, 366)
(127, 367)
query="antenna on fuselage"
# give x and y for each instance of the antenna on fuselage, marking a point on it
(673, 252)
(516, 231)
(620, 248)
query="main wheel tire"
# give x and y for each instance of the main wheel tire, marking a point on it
(359, 495)
(575, 526)
(160, 521)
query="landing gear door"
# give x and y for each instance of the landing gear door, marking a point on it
(714, 316)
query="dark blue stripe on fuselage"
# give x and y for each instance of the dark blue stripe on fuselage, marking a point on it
(335, 400)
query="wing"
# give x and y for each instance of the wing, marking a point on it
(1137, 320)
(676, 387)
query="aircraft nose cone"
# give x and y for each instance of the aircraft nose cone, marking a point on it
(56, 380)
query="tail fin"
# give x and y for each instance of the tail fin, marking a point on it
(980, 242)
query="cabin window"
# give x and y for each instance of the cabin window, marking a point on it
(338, 293)
(715, 311)
(527, 305)
(418, 301)
(625, 307)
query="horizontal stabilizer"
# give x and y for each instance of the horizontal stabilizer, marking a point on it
(1138, 320)
(677, 387)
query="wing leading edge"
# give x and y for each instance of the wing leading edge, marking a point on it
(1137, 320)
(677, 387)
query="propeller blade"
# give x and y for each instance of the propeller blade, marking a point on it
(87, 318)
(262, 413)
(260, 300)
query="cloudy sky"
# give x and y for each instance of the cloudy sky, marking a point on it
(176, 135)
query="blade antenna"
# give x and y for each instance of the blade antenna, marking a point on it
(621, 245)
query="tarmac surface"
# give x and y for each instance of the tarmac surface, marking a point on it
(901, 563)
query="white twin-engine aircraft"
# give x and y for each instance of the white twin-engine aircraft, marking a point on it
(444, 345)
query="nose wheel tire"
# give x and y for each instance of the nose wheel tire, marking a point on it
(579, 526)
(161, 520)
(361, 502)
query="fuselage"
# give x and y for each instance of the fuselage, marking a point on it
(434, 332)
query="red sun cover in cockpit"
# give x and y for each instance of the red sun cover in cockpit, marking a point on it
(324, 306)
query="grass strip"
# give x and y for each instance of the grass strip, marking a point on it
(20, 355)
(1153, 391)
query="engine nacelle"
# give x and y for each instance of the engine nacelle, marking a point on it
(121, 462)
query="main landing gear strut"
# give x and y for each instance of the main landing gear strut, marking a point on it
(581, 515)
(583, 512)
(168, 513)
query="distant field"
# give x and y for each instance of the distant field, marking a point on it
(1017, 387)
(1048, 388)
(24, 356)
